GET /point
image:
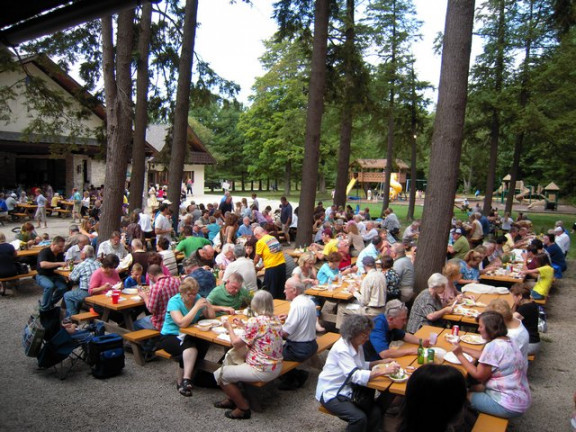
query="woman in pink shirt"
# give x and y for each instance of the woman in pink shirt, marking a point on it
(103, 279)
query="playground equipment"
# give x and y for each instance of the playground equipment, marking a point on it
(373, 171)
(545, 197)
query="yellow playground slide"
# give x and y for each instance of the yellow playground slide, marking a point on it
(395, 187)
(350, 186)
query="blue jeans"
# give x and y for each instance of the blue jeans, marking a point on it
(299, 351)
(536, 296)
(484, 403)
(54, 288)
(73, 300)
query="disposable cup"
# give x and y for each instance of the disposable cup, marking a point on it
(115, 297)
(433, 338)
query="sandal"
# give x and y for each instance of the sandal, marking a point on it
(185, 388)
(246, 414)
(226, 404)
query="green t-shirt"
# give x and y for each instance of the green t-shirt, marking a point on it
(191, 244)
(461, 247)
(220, 297)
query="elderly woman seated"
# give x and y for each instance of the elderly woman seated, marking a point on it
(427, 308)
(503, 390)
(263, 362)
(226, 256)
(346, 359)
(185, 309)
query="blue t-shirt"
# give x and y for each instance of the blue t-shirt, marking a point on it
(326, 274)
(213, 230)
(380, 338)
(467, 273)
(244, 231)
(130, 282)
(206, 280)
(176, 303)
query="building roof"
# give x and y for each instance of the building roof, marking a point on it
(552, 187)
(158, 135)
(378, 163)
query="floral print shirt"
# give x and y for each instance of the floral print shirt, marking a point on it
(263, 335)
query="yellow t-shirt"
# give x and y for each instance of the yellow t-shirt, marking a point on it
(331, 246)
(270, 250)
(545, 279)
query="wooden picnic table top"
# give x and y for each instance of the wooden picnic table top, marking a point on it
(27, 206)
(384, 383)
(280, 307)
(33, 251)
(489, 279)
(125, 302)
(338, 293)
(64, 272)
(480, 298)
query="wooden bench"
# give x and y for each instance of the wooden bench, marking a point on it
(84, 316)
(484, 422)
(20, 215)
(488, 423)
(136, 338)
(324, 342)
(13, 278)
(61, 212)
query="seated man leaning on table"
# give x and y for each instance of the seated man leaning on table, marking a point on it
(243, 266)
(229, 296)
(329, 245)
(191, 244)
(427, 308)
(205, 278)
(299, 330)
(54, 285)
(389, 327)
(162, 288)
(112, 246)
(81, 274)
(75, 252)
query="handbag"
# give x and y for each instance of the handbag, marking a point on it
(233, 357)
(362, 396)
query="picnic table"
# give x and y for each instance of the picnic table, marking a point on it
(480, 298)
(384, 383)
(30, 252)
(28, 209)
(125, 306)
(497, 279)
(64, 272)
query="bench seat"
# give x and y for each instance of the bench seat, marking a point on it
(135, 338)
(488, 423)
(324, 342)
(84, 316)
(19, 276)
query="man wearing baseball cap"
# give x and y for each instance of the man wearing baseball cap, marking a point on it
(460, 246)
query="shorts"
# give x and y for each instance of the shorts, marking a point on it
(245, 373)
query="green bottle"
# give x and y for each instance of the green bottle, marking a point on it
(420, 353)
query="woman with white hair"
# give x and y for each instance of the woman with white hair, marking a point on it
(427, 308)
(226, 256)
(262, 336)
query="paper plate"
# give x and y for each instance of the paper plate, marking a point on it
(472, 339)
(502, 290)
(451, 358)
(130, 291)
(209, 322)
(219, 330)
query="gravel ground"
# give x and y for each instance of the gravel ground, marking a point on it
(145, 398)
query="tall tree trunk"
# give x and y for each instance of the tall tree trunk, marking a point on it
(495, 126)
(413, 123)
(313, 123)
(524, 96)
(390, 144)
(141, 115)
(119, 114)
(180, 134)
(446, 141)
(287, 178)
(347, 110)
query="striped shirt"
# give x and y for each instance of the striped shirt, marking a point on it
(160, 292)
(83, 272)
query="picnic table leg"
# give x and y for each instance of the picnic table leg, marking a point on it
(128, 322)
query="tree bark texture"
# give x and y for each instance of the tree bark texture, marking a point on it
(313, 123)
(141, 115)
(347, 110)
(119, 115)
(180, 133)
(446, 141)
(413, 123)
(495, 126)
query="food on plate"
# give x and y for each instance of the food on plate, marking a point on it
(473, 339)
(452, 338)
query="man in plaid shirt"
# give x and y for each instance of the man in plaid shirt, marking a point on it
(162, 288)
(82, 273)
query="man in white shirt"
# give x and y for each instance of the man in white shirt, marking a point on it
(371, 232)
(562, 239)
(75, 252)
(112, 246)
(243, 266)
(163, 224)
(299, 329)
(145, 222)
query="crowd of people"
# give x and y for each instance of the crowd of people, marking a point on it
(225, 245)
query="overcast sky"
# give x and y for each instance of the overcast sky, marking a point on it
(230, 39)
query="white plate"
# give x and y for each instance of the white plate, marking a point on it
(472, 339)
(209, 322)
(405, 376)
(219, 330)
(451, 358)
(130, 291)
(320, 287)
(117, 286)
(502, 290)
(439, 354)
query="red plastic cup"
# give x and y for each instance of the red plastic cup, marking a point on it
(115, 296)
